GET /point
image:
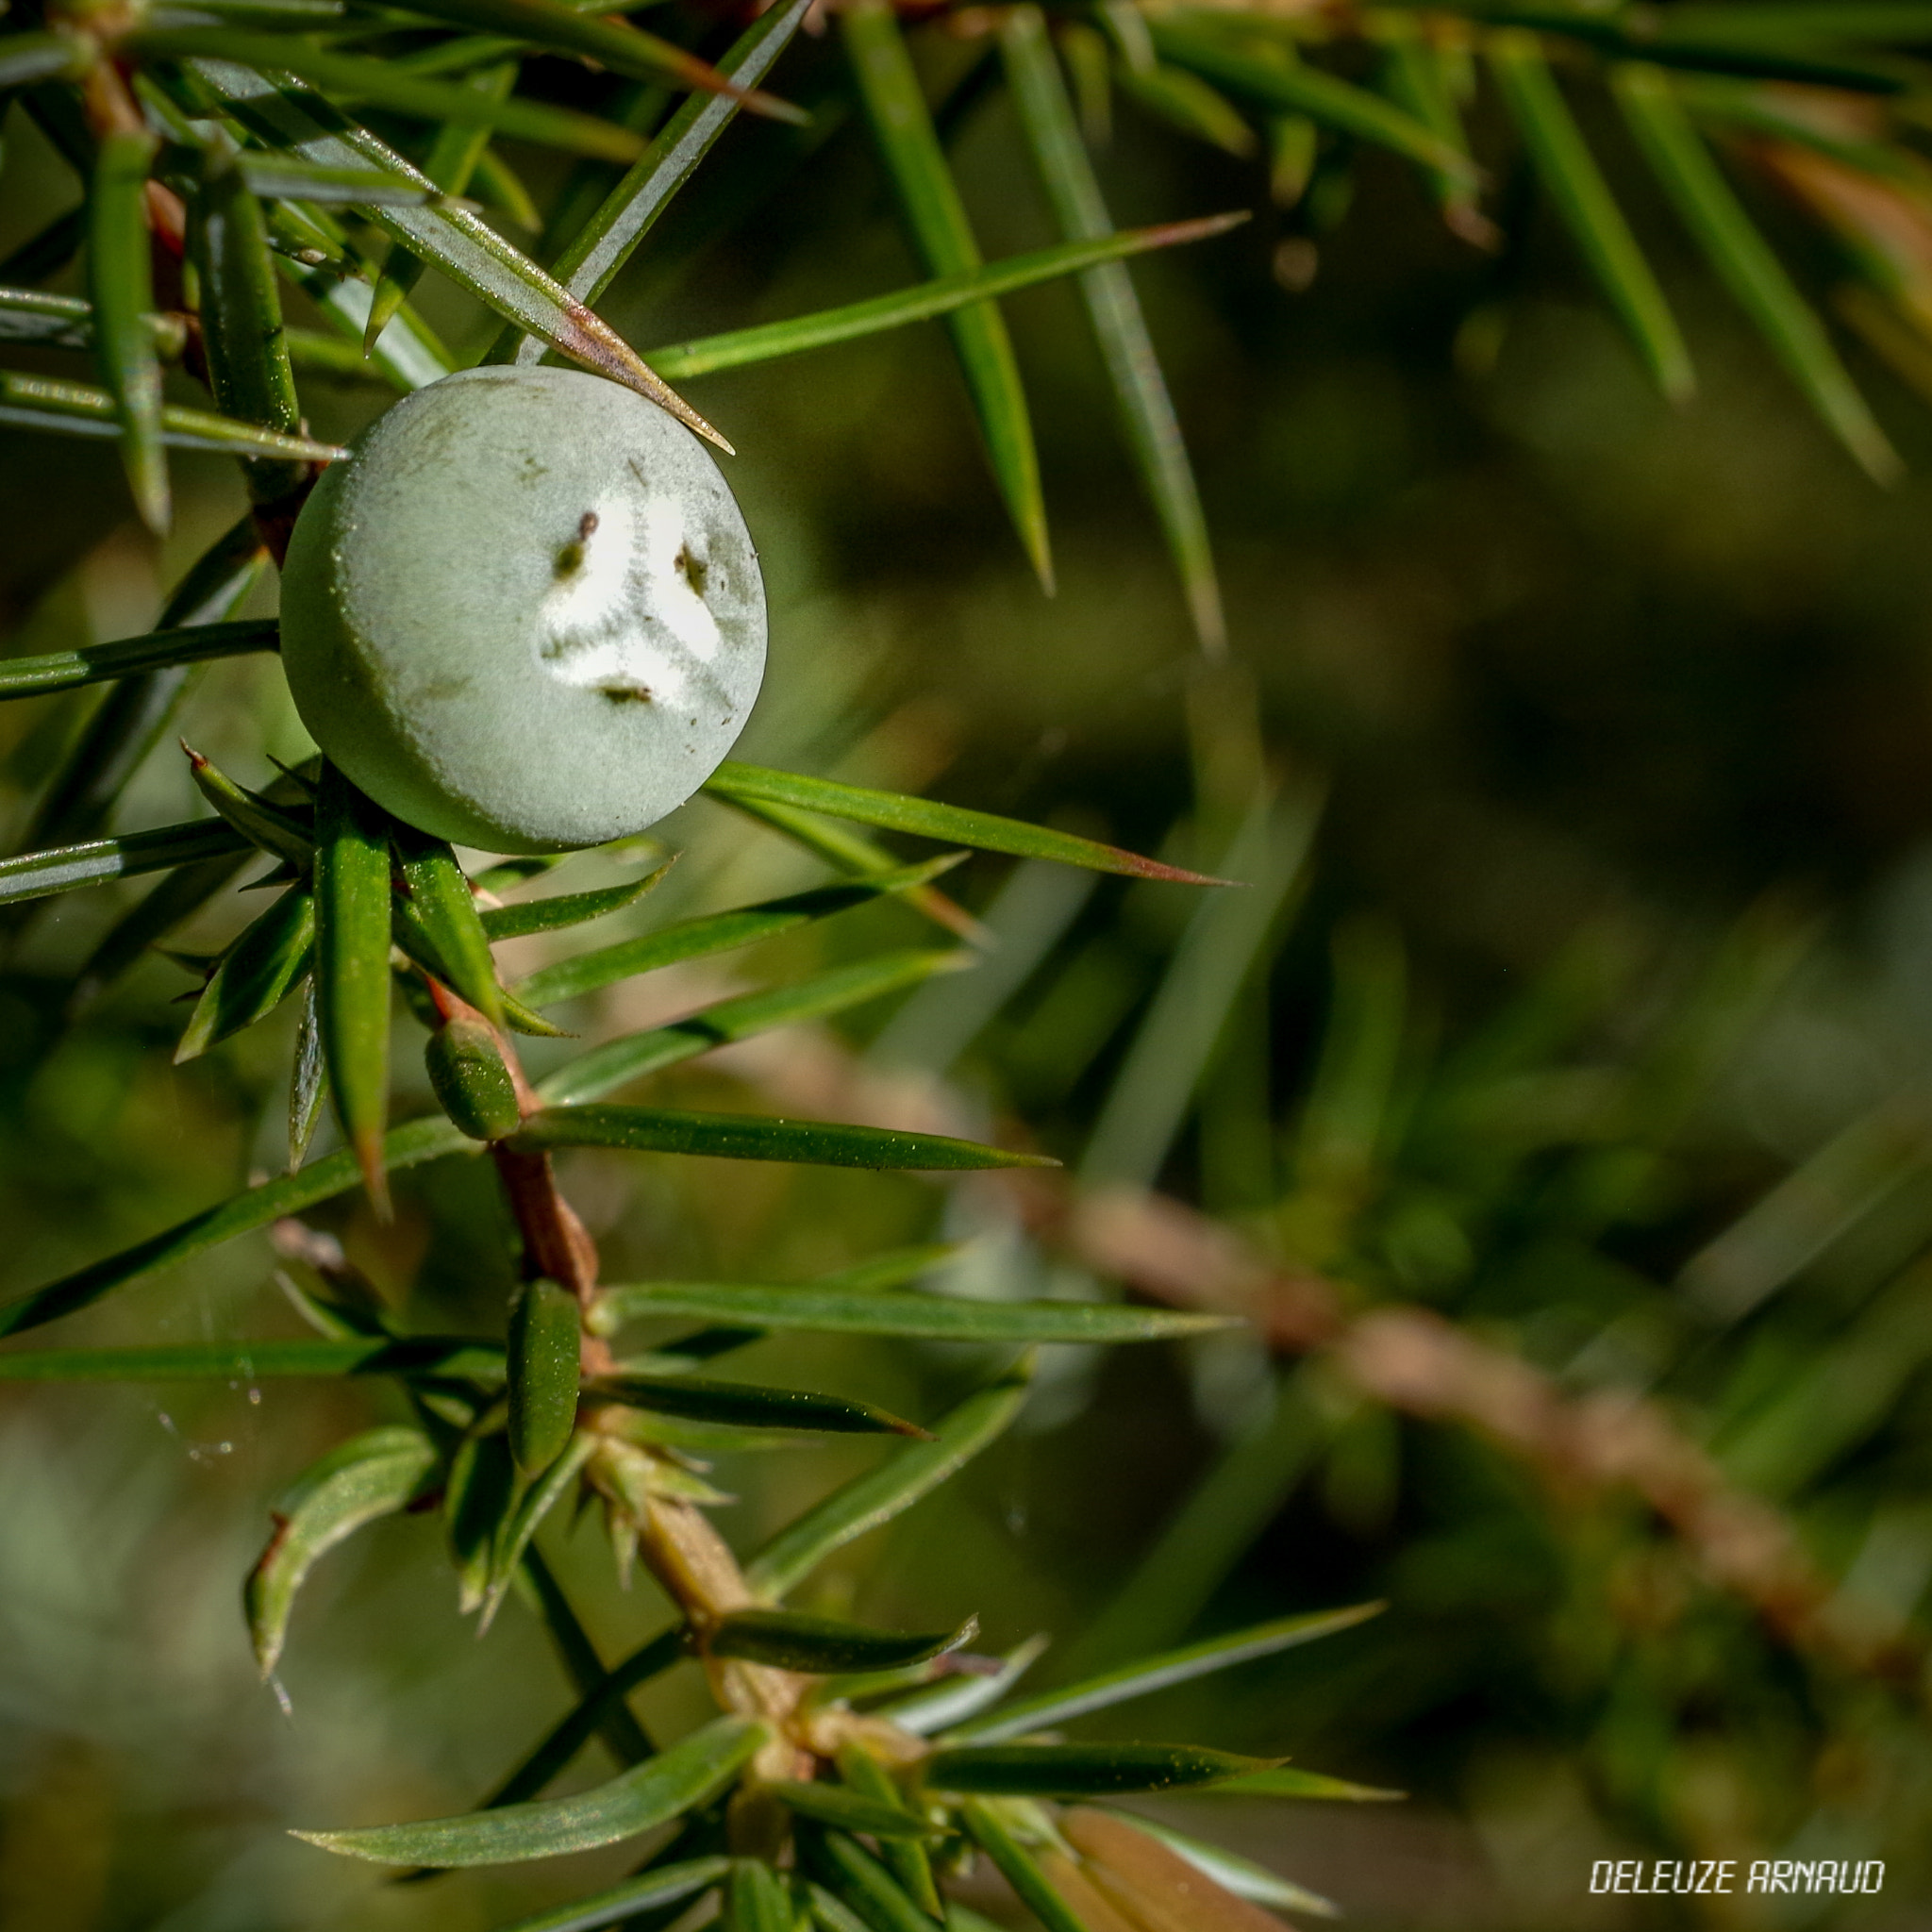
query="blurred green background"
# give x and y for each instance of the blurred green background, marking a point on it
(1585, 1003)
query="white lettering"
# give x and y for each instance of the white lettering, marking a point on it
(1657, 1878)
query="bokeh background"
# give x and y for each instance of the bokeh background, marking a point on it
(1557, 1098)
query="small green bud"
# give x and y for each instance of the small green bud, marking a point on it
(542, 1365)
(472, 1083)
(526, 613)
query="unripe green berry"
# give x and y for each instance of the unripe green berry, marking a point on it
(526, 613)
(541, 1368)
(471, 1080)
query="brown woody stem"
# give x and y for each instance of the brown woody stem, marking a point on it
(691, 1561)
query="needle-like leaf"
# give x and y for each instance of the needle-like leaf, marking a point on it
(880, 1494)
(194, 644)
(451, 159)
(498, 186)
(178, 897)
(599, 1071)
(281, 112)
(597, 1703)
(755, 1899)
(67, 321)
(1285, 1781)
(929, 1317)
(406, 354)
(351, 940)
(629, 1742)
(1201, 42)
(281, 177)
(247, 1361)
(1176, 1042)
(1147, 414)
(412, 938)
(258, 1206)
(1583, 197)
(895, 811)
(1744, 263)
(790, 1641)
(617, 1063)
(656, 1790)
(757, 1137)
(370, 1476)
(313, 353)
(567, 909)
(1186, 101)
(478, 1503)
(241, 318)
(905, 1857)
(1083, 1769)
(1141, 1679)
(546, 1490)
(1781, 115)
(855, 856)
(1019, 1868)
(382, 84)
(29, 58)
(957, 1697)
(830, 1913)
(440, 898)
(121, 286)
(926, 300)
(128, 723)
(845, 1866)
(458, 53)
(48, 250)
(34, 874)
(590, 261)
(714, 932)
(1704, 40)
(942, 236)
(686, 1352)
(76, 409)
(636, 1898)
(279, 832)
(611, 43)
(1416, 76)
(742, 1405)
(256, 974)
(298, 16)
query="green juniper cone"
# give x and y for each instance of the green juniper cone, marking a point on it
(525, 614)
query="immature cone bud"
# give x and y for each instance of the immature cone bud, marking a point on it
(542, 1369)
(526, 613)
(471, 1081)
